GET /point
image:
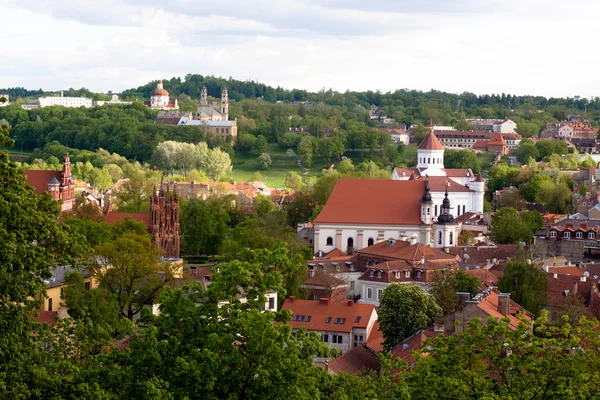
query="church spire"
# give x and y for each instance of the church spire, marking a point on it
(427, 193)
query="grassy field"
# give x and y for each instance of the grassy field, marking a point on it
(245, 165)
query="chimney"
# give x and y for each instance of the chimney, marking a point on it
(350, 302)
(574, 287)
(583, 278)
(504, 303)
(545, 268)
(439, 324)
(63, 312)
(555, 275)
(461, 299)
(413, 241)
(324, 301)
(292, 298)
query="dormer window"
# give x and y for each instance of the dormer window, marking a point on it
(407, 274)
(397, 274)
(591, 235)
(379, 274)
(419, 273)
(553, 234)
(371, 274)
(567, 234)
(579, 235)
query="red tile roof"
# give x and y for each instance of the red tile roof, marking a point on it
(400, 250)
(370, 201)
(566, 270)
(335, 253)
(496, 139)
(115, 216)
(439, 184)
(405, 171)
(358, 361)
(430, 142)
(46, 317)
(458, 172)
(486, 278)
(321, 310)
(489, 305)
(39, 179)
(559, 288)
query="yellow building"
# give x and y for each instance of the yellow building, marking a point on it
(52, 300)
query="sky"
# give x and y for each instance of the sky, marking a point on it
(523, 47)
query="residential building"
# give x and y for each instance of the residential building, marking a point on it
(587, 202)
(496, 144)
(62, 101)
(398, 261)
(494, 125)
(52, 300)
(461, 139)
(586, 145)
(575, 240)
(160, 100)
(114, 100)
(213, 127)
(321, 283)
(30, 104)
(569, 130)
(397, 135)
(513, 140)
(342, 325)
(60, 184)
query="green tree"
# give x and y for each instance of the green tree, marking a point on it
(510, 227)
(131, 271)
(462, 159)
(293, 181)
(260, 145)
(445, 284)
(345, 166)
(526, 151)
(526, 283)
(264, 161)
(403, 310)
(204, 226)
(100, 178)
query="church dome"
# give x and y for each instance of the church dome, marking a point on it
(159, 92)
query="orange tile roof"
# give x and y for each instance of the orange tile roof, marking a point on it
(566, 270)
(458, 172)
(115, 216)
(439, 184)
(371, 201)
(358, 361)
(335, 253)
(486, 278)
(46, 317)
(489, 305)
(322, 310)
(39, 179)
(496, 139)
(400, 250)
(431, 142)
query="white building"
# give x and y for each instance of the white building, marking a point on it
(4, 100)
(64, 101)
(159, 99)
(494, 125)
(362, 212)
(114, 100)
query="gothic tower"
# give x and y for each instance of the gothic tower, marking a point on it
(67, 185)
(164, 221)
(224, 104)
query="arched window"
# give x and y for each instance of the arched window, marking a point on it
(350, 242)
(451, 237)
(440, 238)
(436, 210)
(429, 161)
(329, 241)
(370, 242)
(427, 210)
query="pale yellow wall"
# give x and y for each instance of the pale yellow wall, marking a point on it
(54, 294)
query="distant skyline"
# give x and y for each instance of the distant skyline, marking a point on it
(522, 47)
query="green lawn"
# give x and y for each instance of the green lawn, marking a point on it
(244, 165)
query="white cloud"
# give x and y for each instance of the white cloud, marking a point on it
(542, 47)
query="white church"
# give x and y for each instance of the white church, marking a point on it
(419, 208)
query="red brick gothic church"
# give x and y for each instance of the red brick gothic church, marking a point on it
(162, 221)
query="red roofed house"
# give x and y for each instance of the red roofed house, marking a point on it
(341, 325)
(60, 184)
(398, 261)
(496, 144)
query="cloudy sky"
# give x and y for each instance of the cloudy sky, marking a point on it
(542, 47)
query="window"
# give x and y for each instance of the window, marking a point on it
(301, 318)
(342, 321)
(271, 303)
(357, 319)
(591, 235)
(379, 274)
(419, 273)
(370, 242)
(329, 241)
(50, 304)
(451, 237)
(440, 238)
(429, 161)
(328, 320)
(369, 293)
(397, 274)
(371, 274)
(567, 234)
(427, 210)
(579, 235)
(337, 321)
(308, 318)
(435, 211)
(351, 285)
(324, 338)
(87, 286)
(552, 233)
(379, 293)
(350, 242)
(336, 339)
(407, 274)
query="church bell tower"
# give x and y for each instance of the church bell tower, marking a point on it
(224, 104)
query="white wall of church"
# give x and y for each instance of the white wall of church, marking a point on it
(360, 235)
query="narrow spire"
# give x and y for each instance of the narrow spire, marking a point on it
(426, 194)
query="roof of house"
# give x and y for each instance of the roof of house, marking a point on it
(400, 250)
(371, 201)
(431, 142)
(47, 317)
(318, 278)
(439, 184)
(115, 216)
(496, 139)
(323, 315)
(358, 361)
(486, 277)
(480, 254)
(489, 305)
(458, 172)
(563, 285)
(39, 179)
(566, 270)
